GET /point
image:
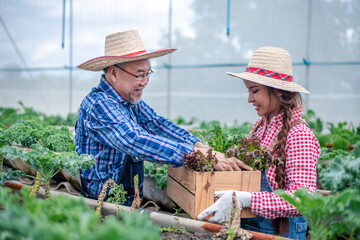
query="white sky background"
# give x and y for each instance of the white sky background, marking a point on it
(36, 27)
(206, 93)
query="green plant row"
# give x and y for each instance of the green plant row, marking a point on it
(9, 116)
(336, 216)
(340, 136)
(61, 218)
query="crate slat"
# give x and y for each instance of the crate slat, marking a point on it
(194, 191)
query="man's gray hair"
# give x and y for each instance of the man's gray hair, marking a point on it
(122, 65)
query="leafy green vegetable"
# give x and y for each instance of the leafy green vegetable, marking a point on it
(161, 177)
(31, 132)
(198, 162)
(343, 173)
(315, 123)
(149, 168)
(330, 217)
(47, 162)
(9, 116)
(326, 157)
(117, 195)
(10, 174)
(159, 173)
(221, 138)
(251, 153)
(62, 217)
(340, 143)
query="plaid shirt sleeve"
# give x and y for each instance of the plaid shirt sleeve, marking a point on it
(302, 152)
(157, 125)
(110, 123)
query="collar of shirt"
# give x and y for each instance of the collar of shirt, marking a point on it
(106, 87)
(269, 134)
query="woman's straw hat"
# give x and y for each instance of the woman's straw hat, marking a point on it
(122, 47)
(271, 66)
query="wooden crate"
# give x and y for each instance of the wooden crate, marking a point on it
(194, 191)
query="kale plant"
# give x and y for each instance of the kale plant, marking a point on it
(329, 217)
(61, 217)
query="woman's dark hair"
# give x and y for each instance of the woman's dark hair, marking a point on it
(288, 101)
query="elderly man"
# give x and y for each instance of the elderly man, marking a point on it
(119, 129)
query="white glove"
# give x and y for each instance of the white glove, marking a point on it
(223, 205)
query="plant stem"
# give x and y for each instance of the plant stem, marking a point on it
(47, 189)
(102, 194)
(35, 188)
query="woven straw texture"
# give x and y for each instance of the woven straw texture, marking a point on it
(122, 47)
(274, 59)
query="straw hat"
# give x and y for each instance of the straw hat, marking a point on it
(122, 47)
(271, 66)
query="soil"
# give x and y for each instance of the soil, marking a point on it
(186, 236)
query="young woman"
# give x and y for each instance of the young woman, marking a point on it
(277, 100)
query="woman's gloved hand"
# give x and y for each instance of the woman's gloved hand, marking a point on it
(223, 205)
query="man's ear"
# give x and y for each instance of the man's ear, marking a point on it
(112, 74)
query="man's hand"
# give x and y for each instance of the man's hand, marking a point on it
(201, 145)
(223, 205)
(229, 163)
(225, 163)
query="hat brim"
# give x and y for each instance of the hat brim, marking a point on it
(270, 82)
(99, 63)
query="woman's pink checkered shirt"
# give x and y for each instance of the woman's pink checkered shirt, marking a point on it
(302, 152)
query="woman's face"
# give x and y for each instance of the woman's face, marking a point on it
(264, 102)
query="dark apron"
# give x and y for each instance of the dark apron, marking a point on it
(132, 168)
(126, 178)
(297, 225)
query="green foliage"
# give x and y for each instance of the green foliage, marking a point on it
(251, 153)
(173, 229)
(30, 132)
(340, 143)
(9, 116)
(62, 217)
(10, 174)
(48, 162)
(161, 177)
(315, 123)
(182, 121)
(326, 157)
(117, 195)
(221, 138)
(331, 217)
(342, 173)
(159, 173)
(356, 151)
(149, 168)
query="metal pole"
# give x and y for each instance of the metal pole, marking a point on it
(70, 55)
(307, 56)
(228, 19)
(169, 63)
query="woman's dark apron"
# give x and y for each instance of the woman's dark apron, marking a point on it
(297, 225)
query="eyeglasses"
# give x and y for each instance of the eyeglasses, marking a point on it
(138, 77)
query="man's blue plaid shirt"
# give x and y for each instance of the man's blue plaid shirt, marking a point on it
(109, 128)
